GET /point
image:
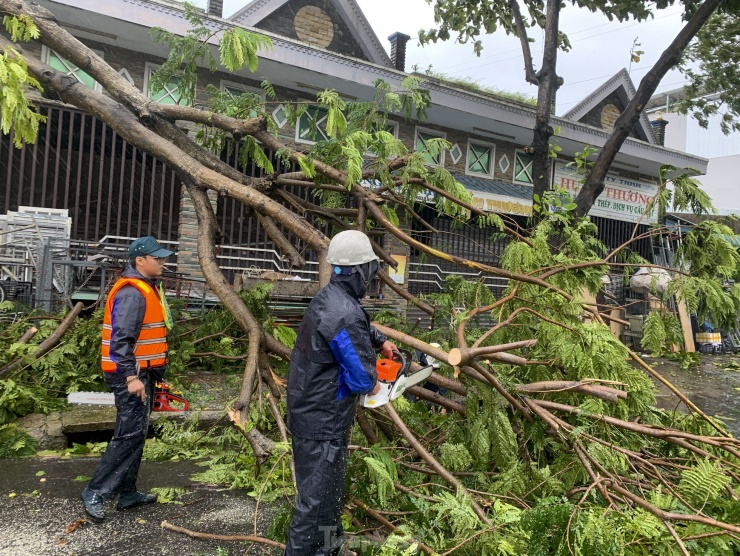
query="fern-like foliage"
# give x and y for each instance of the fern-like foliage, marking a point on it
(21, 28)
(456, 512)
(169, 495)
(706, 251)
(702, 482)
(16, 111)
(383, 472)
(15, 442)
(686, 194)
(504, 449)
(455, 456)
(546, 526)
(660, 331)
(237, 47)
(285, 335)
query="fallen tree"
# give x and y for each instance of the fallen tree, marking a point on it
(550, 442)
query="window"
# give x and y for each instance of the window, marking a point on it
(237, 89)
(420, 144)
(388, 126)
(311, 126)
(170, 94)
(523, 168)
(123, 72)
(391, 127)
(60, 63)
(480, 158)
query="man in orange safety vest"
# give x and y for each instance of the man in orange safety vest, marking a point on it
(133, 358)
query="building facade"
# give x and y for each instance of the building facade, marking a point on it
(114, 192)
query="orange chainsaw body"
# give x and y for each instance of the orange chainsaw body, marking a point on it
(388, 369)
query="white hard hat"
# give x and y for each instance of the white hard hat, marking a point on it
(350, 248)
(431, 360)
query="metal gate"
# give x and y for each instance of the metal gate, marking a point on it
(78, 163)
(246, 248)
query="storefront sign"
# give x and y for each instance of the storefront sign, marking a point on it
(622, 199)
(499, 203)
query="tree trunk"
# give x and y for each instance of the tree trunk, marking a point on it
(548, 84)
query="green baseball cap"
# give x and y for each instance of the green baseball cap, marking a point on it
(147, 246)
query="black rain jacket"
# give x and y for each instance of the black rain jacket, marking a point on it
(333, 361)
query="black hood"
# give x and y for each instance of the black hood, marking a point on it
(353, 284)
(356, 284)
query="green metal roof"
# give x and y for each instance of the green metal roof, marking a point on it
(734, 240)
(495, 187)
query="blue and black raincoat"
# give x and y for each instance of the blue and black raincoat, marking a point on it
(333, 362)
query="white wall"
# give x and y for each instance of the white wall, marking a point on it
(675, 131)
(722, 180)
(722, 183)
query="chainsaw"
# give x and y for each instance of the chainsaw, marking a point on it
(395, 377)
(163, 399)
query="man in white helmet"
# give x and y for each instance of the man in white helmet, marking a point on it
(333, 362)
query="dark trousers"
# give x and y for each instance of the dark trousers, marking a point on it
(119, 466)
(320, 467)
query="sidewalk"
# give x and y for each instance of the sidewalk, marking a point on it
(36, 511)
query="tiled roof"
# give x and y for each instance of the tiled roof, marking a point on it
(495, 187)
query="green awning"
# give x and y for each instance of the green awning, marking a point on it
(734, 240)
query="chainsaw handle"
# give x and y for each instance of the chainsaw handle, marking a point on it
(403, 356)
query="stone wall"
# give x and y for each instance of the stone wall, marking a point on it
(187, 251)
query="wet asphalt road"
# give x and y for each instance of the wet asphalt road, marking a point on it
(713, 387)
(35, 515)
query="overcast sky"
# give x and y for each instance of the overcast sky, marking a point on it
(599, 48)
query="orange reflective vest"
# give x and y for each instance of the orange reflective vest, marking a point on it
(151, 347)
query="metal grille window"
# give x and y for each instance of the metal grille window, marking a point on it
(480, 159)
(254, 97)
(392, 128)
(523, 168)
(311, 125)
(169, 94)
(60, 63)
(423, 136)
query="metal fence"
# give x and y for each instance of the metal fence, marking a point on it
(71, 271)
(246, 247)
(471, 241)
(114, 190)
(78, 163)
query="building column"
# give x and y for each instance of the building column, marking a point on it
(187, 254)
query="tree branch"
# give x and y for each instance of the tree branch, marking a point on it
(626, 121)
(521, 31)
